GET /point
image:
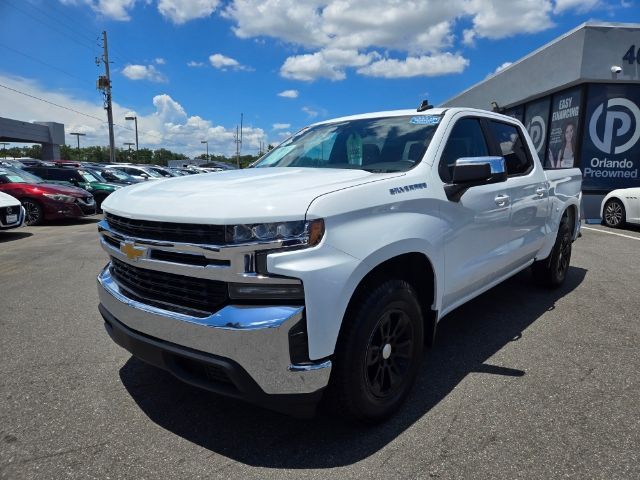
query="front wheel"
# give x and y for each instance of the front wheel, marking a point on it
(34, 212)
(378, 353)
(552, 271)
(613, 214)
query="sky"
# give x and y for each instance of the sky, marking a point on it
(188, 68)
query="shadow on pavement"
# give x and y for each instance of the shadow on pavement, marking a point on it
(11, 236)
(466, 339)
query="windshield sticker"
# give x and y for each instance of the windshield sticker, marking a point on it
(407, 188)
(354, 149)
(425, 120)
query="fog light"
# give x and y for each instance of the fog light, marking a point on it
(248, 291)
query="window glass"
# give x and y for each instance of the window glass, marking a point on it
(512, 147)
(88, 176)
(387, 144)
(466, 140)
(60, 174)
(15, 175)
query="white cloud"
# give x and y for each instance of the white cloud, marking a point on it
(579, 5)
(177, 11)
(181, 11)
(160, 61)
(310, 112)
(289, 94)
(281, 126)
(143, 72)
(168, 126)
(328, 63)
(428, 66)
(194, 64)
(224, 63)
(419, 34)
(502, 67)
(503, 19)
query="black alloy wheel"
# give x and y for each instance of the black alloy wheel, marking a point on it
(389, 353)
(552, 271)
(614, 214)
(378, 353)
(34, 212)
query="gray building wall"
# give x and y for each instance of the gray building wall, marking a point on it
(49, 134)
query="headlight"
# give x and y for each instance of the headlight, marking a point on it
(308, 233)
(60, 198)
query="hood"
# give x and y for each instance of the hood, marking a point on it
(8, 201)
(234, 196)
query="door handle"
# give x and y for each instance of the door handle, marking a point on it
(540, 191)
(502, 200)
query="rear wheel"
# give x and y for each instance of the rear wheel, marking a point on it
(614, 214)
(552, 271)
(34, 212)
(378, 353)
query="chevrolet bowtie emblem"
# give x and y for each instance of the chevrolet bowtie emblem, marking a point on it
(131, 251)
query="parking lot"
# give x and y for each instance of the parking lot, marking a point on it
(522, 383)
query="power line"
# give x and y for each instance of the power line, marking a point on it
(40, 61)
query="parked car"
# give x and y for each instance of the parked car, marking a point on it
(219, 165)
(113, 176)
(79, 177)
(620, 207)
(329, 264)
(44, 201)
(139, 173)
(163, 171)
(11, 212)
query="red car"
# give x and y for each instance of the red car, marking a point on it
(45, 201)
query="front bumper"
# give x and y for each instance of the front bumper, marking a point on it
(20, 212)
(251, 340)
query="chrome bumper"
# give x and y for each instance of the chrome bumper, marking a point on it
(256, 337)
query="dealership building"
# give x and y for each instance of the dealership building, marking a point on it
(579, 98)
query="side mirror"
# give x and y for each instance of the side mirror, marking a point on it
(74, 181)
(145, 176)
(473, 171)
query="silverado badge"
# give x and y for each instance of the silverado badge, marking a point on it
(131, 251)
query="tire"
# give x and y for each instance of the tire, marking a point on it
(34, 212)
(99, 201)
(378, 353)
(614, 214)
(552, 271)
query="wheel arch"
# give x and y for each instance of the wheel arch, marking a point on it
(416, 269)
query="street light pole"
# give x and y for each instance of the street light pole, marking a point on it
(207, 142)
(78, 135)
(135, 119)
(129, 154)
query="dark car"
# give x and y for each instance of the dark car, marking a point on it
(45, 201)
(79, 177)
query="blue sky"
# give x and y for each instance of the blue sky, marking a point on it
(187, 68)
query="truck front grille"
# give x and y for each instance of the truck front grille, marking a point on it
(188, 295)
(170, 232)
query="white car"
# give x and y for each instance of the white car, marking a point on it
(139, 173)
(330, 262)
(620, 207)
(11, 212)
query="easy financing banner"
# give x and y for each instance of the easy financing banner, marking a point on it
(611, 147)
(563, 129)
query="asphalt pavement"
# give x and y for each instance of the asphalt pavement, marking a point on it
(522, 383)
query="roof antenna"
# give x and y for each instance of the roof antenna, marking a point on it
(424, 106)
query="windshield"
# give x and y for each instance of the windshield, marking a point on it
(390, 144)
(114, 175)
(15, 175)
(88, 176)
(150, 172)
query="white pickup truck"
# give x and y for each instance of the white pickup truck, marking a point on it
(326, 267)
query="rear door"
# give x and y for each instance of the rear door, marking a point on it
(528, 191)
(477, 235)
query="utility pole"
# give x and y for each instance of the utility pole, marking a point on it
(207, 142)
(128, 144)
(104, 84)
(4, 149)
